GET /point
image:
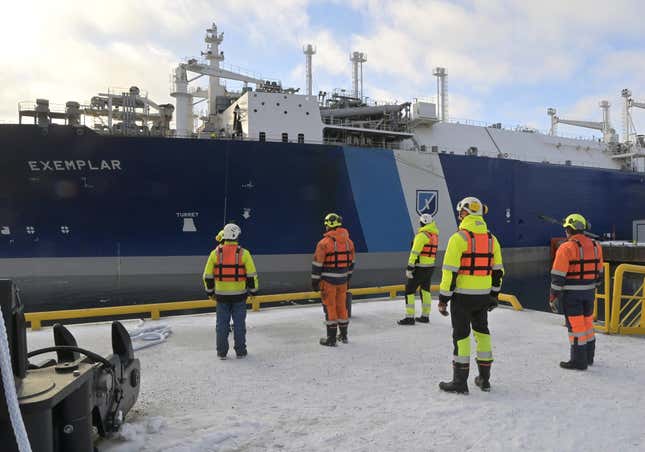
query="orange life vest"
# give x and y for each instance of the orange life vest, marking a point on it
(229, 266)
(430, 248)
(478, 258)
(340, 257)
(587, 266)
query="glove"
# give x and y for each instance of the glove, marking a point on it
(210, 295)
(443, 305)
(315, 285)
(409, 272)
(493, 301)
(554, 303)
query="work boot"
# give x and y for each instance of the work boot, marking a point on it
(406, 321)
(330, 340)
(483, 379)
(342, 336)
(423, 319)
(459, 382)
(578, 360)
(591, 352)
(221, 355)
(241, 353)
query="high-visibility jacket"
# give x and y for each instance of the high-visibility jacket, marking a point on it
(578, 265)
(424, 246)
(472, 264)
(230, 270)
(334, 257)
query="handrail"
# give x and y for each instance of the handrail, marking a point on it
(155, 309)
(606, 297)
(615, 324)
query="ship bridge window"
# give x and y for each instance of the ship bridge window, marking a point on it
(301, 138)
(285, 137)
(263, 136)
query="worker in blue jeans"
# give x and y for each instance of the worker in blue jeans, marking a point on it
(229, 276)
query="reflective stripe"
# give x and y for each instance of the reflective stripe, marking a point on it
(232, 292)
(416, 253)
(209, 291)
(251, 275)
(316, 264)
(209, 277)
(315, 276)
(343, 322)
(498, 267)
(461, 359)
(555, 287)
(496, 288)
(585, 287)
(334, 275)
(485, 355)
(424, 265)
(330, 322)
(580, 334)
(450, 268)
(446, 293)
(472, 291)
(558, 273)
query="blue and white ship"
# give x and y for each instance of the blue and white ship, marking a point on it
(126, 210)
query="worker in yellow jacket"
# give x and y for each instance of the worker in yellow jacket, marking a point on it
(229, 276)
(420, 268)
(471, 278)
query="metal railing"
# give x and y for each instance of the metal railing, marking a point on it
(154, 310)
(627, 313)
(606, 298)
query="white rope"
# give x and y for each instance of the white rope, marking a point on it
(144, 337)
(22, 440)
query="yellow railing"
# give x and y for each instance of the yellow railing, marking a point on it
(606, 297)
(627, 317)
(155, 309)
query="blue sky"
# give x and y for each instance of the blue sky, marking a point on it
(507, 60)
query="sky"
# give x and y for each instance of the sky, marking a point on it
(507, 61)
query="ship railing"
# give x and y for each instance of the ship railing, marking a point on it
(154, 310)
(229, 67)
(30, 106)
(373, 124)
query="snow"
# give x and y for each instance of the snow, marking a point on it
(379, 392)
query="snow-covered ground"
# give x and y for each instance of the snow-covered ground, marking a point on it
(379, 392)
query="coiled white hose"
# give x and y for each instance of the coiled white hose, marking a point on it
(9, 384)
(151, 335)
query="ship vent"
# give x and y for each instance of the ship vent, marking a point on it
(434, 149)
(423, 148)
(567, 162)
(472, 151)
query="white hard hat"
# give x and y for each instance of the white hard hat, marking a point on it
(472, 205)
(231, 232)
(426, 218)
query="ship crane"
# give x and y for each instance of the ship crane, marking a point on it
(609, 134)
(629, 132)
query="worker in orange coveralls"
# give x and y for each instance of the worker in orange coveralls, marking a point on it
(577, 269)
(331, 271)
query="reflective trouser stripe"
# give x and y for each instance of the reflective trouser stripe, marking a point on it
(591, 334)
(578, 333)
(343, 322)
(409, 305)
(463, 350)
(426, 302)
(484, 347)
(330, 322)
(579, 287)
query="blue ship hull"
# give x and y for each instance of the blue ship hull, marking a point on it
(88, 220)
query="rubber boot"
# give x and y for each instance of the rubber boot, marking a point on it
(591, 352)
(483, 379)
(342, 336)
(578, 360)
(330, 340)
(406, 321)
(423, 319)
(459, 383)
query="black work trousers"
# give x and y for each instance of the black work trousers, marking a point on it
(422, 277)
(467, 311)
